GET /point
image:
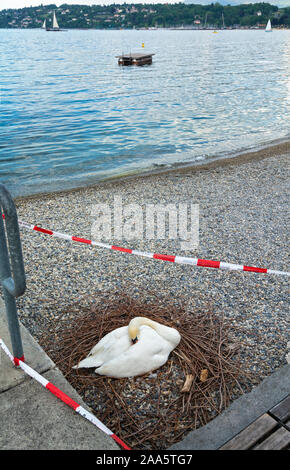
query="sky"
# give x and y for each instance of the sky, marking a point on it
(27, 3)
(24, 3)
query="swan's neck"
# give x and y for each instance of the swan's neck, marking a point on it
(134, 326)
(170, 334)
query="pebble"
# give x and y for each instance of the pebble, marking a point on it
(242, 220)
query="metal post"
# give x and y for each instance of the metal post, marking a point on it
(13, 284)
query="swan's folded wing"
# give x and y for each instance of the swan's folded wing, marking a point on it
(110, 346)
(150, 352)
(110, 339)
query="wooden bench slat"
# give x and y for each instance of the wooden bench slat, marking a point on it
(276, 441)
(282, 410)
(250, 435)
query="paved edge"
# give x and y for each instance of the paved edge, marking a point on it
(239, 414)
(34, 418)
(34, 355)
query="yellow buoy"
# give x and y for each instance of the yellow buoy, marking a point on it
(142, 44)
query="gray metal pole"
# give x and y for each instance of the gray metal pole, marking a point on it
(12, 277)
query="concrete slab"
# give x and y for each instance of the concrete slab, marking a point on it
(34, 355)
(31, 417)
(34, 419)
(240, 414)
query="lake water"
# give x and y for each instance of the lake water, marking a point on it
(70, 116)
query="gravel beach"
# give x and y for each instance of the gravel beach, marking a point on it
(243, 205)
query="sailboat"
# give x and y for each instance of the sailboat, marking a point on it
(44, 25)
(55, 26)
(268, 27)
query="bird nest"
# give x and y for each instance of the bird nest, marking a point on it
(201, 377)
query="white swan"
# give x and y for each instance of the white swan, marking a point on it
(141, 347)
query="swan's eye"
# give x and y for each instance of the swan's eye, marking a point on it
(134, 340)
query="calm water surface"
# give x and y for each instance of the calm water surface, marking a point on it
(70, 116)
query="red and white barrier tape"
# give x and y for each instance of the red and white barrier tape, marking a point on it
(174, 259)
(62, 396)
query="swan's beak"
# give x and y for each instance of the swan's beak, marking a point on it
(134, 340)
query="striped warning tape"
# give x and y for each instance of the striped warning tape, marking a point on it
(62, 396)
(172, 258)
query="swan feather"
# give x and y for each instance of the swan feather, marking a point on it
(150, 352)
(110, 346)
(116, 356)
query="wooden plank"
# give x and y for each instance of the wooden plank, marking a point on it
(250, 435)
(279, 440)
(282, 410)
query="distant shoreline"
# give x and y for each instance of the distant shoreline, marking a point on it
(182, 15)
(155, 29)
(280, 148)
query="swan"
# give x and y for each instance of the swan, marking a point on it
(142, 346)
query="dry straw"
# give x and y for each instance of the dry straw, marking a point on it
(199, 380)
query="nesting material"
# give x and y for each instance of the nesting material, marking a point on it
(187, 384)
(203, 375)
(155, 410)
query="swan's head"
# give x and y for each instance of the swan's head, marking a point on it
(134, 327)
